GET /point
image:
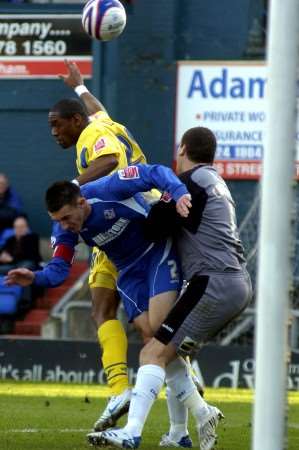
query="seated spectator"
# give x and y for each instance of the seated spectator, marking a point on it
(11, 204)
(19, 250)
(22, 249)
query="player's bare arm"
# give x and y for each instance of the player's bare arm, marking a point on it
(73, 79)
(183, 205)
(98, 168)
(23, 277)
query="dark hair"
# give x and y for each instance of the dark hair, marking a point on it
(200, 144)
(68, 107)
(22, 216)
(60, 194)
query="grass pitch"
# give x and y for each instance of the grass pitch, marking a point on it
(41, 416)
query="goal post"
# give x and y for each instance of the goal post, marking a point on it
(274, 271)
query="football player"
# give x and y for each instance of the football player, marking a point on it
(218, 290)
(103, 146)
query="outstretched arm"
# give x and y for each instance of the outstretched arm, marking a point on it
(23, 277)
(52, 275)
(74, 80)
(141, 178)
(57, 270)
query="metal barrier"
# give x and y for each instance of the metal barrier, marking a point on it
(247, 321)
(60, 310)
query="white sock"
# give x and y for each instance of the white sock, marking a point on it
(179, 379)
(197, 405)
(149, 382)
(178, 416)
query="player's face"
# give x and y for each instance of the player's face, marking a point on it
(64, 131)
(70, 217)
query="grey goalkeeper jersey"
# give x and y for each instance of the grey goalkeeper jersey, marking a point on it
(209, 239)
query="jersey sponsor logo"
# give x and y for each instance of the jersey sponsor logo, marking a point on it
(99, 145)
(166, 197)
(114, 232)
(109, 214)
(129, 173)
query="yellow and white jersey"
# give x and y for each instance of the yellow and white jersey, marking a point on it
(102, 137)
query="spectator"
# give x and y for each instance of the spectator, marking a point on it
(10, 204)
(22, 249)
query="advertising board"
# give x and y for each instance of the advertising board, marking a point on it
(35, 45)
(228, 98)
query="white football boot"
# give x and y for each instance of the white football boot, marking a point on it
(207, 429)
(117, 407)
(116, 437)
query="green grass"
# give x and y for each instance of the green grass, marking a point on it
(41, 416)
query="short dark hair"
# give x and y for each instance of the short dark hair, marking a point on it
(200, 144)
(68, 107)
(60, 194)
(22, 216)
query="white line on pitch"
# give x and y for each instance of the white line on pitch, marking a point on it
(86, 430)
(47, 430)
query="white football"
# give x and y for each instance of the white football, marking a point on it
(104, 19)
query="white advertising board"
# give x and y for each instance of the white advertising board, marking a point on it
(228, 98)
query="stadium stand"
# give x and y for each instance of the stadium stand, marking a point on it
(241, 331)
(19, 247)
(9, 298)
(23, 311)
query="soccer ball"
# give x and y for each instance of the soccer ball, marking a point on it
(104, 19)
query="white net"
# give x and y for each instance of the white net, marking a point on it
(242, 329)
(249, 236)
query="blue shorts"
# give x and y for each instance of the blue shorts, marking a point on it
(157, 271)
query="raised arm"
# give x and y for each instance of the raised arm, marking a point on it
(74, 80)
